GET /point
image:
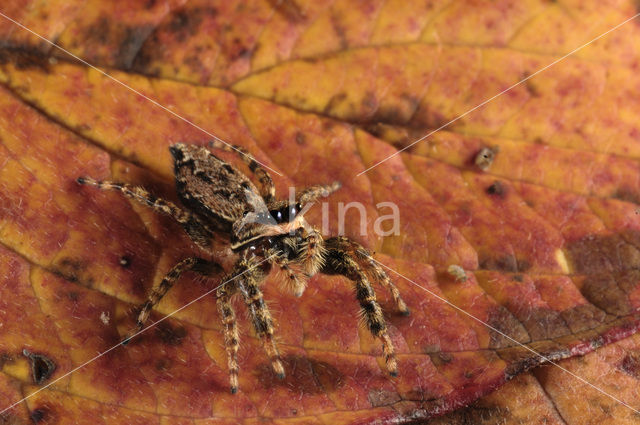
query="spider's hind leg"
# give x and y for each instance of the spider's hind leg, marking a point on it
(197, 231)
(340, 261)
(372, 268)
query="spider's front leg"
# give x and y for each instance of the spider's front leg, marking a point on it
(372, 269)
(339, 261)
(196, 264)
(231, 337)
(250, 274)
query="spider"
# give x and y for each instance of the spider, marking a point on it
(263, 233)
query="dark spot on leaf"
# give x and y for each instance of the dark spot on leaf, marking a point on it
(627, 194)
(186, 22)
(518, 278)
(497, 189)
(131, 42)
(4, 358)
(523, 265)
(440, 358)
(631, 365)
(23, 57)
(506, 263)
(303, 375)
(124, 41)
(289, 9)
(42, 367)
(74, 270)
(163, 364)
(170, 335)
(301, 139)
(529, 85)
(73, 295)
(39, 414)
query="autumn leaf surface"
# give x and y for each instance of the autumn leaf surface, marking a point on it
(547, 231)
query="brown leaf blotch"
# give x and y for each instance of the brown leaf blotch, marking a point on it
(598, 253)
(304, 375)
(631, 365)
(74, 270)
(602, 290)
(497, 189)
(170, 335)
(25, 58)
(42, 367)
(503, 321)
(583, 317)
(39, 414)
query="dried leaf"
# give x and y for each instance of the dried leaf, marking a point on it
(547, 234)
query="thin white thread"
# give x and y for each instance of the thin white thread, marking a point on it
(497, 95)
(135, 91)
(506, 336)
(131, 337)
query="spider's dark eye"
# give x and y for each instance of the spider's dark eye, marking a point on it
(286, 213)
(293, 212)
(277, 215)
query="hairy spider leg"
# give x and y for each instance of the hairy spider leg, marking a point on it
(339, 261)
(293, 283)
(267, 190)
(198, 231)
(312, 193)
(372, 268)
(258, 311)
(231, 337)
(312, 252)
(192, 263)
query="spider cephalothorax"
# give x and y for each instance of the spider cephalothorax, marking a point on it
(263, 233)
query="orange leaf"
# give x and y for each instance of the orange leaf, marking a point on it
(542, 235)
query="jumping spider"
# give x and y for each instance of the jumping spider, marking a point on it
(263, 232)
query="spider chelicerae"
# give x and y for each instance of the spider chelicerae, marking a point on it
(264, 232)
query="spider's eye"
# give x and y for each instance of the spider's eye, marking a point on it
(286, 213)
(277, 215)
(293, 212)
